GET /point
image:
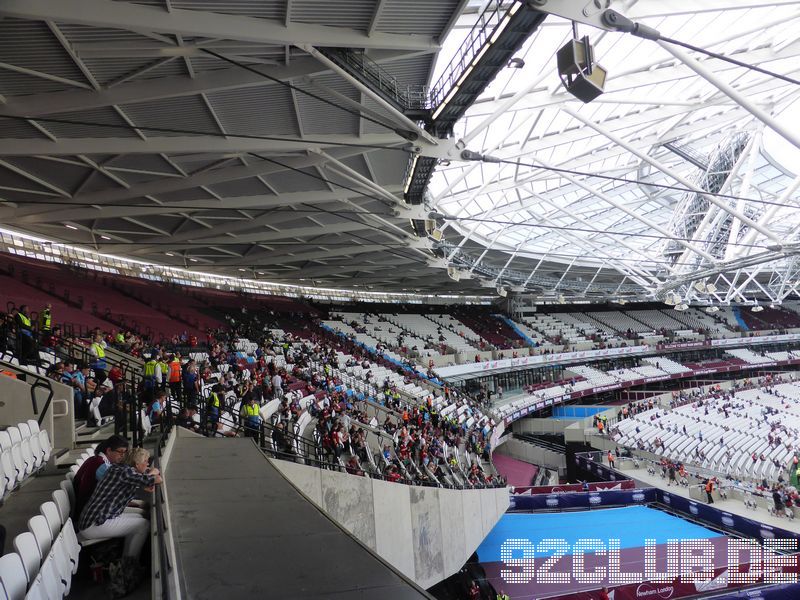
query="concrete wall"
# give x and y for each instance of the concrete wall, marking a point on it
(16, 407)
(426, 533)
(533, 425)
(533, 454)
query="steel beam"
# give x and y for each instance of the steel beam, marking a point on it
(184, 144)
(195, 23)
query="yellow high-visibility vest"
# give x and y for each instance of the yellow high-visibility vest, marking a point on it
(99, 350)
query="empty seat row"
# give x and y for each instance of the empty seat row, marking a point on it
(46, 556)
(24, 449)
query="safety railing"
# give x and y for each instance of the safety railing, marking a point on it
(311, 452)
(159, 504)
(408, 97)
(476, 39)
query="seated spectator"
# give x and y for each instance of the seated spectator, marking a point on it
(279, 439)
(392, 474)
(189, 418)
(104, 516)
(108, 452)
(353, 467)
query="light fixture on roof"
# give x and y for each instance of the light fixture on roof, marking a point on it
(705, 288)
(757, 308)
(682, 306)
(562, 299)
(581, 76)
(516, 63)
(454, 273)
(501, 291)
(672, 299)
(712, 309)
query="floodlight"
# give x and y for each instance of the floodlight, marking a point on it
(454, 273)
(712, 309)
(581, 76)
(502, 292)
(672, 299)
(682, 307)
(757, 308)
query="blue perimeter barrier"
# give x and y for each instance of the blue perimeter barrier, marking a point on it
(519, 332)
(372, 350)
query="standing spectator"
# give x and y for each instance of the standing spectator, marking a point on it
(45, 324)
(190, 382)
(174, 377)
(610, 459)
(474, 591)
(25, 346)
(277, 386)
(251, 417)
(98, 351)
(709, 489)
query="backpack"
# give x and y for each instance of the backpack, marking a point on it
(124, 576)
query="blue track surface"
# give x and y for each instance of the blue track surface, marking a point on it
(631, 525)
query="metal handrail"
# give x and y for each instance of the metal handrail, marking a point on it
(477, 37)
(42, 383)
(313, 453)
(165, 565)
(410, 98)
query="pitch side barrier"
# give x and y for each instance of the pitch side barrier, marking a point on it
(736, 524)
(532, 490)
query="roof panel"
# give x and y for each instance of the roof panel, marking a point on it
(264, 110)
(420, 17)
(353, 14)
(187, 113)
(89, 123)
(30, 45)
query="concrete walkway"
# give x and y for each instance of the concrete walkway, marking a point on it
(241, 530)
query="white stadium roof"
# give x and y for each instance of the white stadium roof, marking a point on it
(160, 130)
